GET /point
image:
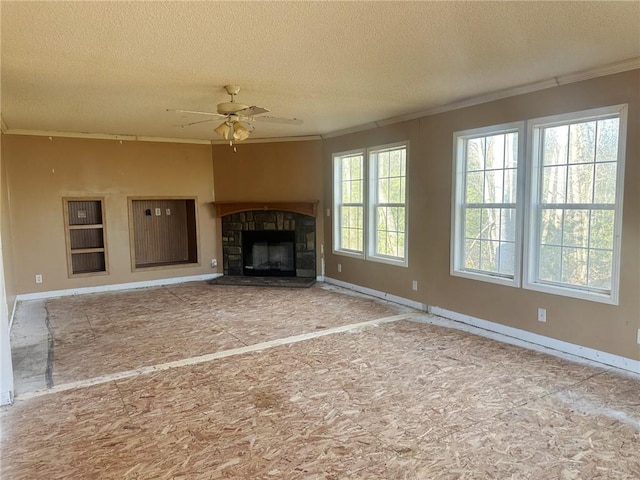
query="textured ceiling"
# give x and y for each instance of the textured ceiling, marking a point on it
(114, 67)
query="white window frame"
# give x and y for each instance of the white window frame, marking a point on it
(372, 203)
(369, 197)
(337, 211)
(531, 247)
(457, 212)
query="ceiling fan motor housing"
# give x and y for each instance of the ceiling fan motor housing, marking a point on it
(227, 108)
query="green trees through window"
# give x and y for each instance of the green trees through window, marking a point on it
(379, 233)
(570, 241)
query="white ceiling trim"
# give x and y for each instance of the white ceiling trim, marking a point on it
(611, 69)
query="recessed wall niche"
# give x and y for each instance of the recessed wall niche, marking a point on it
(85, 236)
(163, 232)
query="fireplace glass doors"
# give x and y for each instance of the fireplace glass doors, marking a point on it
(269, 253)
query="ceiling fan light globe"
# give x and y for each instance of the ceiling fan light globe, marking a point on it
(240, 132)
(223, 130)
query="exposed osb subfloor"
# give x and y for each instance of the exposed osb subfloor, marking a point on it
(401, 400)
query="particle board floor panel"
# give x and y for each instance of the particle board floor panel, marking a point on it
(401, 400)
(151, 326)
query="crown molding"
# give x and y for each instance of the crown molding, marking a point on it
(103, 136)
(610, 69)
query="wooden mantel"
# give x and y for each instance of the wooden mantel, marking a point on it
(305, 208)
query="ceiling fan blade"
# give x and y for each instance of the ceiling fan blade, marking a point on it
(252, 110)
(284, 121)
(194, 123)
(211, 114)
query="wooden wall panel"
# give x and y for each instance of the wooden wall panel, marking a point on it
(161, 239)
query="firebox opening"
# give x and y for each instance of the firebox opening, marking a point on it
(268, 253)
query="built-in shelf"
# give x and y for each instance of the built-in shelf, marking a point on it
(228, 208)
(85, 236)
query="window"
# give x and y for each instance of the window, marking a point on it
(388, 172)
(486, 215)
(576, 204)
(349, 203)
(570, 242)
(380, 186)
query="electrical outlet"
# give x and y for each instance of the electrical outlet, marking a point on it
(339, 267)
(542, 314)
(639, 336)
(214, 263)
(38, 278)
(158, 212)
(414, 285)
(328, 212)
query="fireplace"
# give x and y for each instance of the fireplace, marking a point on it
(269, 253)
(268, 242)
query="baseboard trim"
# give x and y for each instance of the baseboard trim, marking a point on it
(503, 333)
(111, 288)
(508, 334)
(377, 293)
(6, 398)
(13, 312)
(320, 278)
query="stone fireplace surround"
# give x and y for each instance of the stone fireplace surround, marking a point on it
(274, 217)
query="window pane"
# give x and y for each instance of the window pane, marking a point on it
(475, 187)
(605, 183)
(554, 184)
(489, 255)
(495, 152)
(351, 228)
(475, 154)
(508, 224)
(510, 185)
(582, 143)
(580, 184)
(472, 223)
(600, 267)
(383, 190)
(396, 193)
(607, 147)
(390, 226)
(493, 189)
(472, 254)
(511, 150)
(574, 266)
(576, 228)
(551, 227)
(601, 229)
(555, 141)
(550, 265)
(506, 259)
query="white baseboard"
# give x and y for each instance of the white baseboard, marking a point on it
(377, 293)
(115, 287)
(524, 338)
(320, 278)
(13, 312)
(6, 398)
(503, 333)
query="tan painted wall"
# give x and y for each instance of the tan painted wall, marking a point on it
(277, 171)
(40, 171)
(604, 327)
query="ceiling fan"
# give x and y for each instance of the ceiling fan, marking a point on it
(238, 117)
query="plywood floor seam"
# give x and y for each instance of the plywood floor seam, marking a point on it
(396, 400)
